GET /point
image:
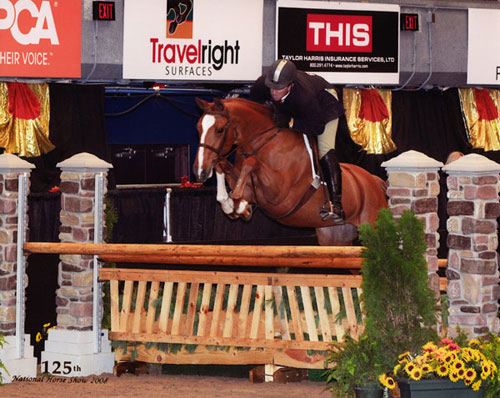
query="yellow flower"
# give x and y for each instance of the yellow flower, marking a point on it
(474, 342)
(450, 357)
(396, 369)
(442, 370)
(458, 364)
(470, 374)
(454, 377)
(416, 373)
(409, 367)
(426, 368)
(485, 370)
(466, 354)
(461, 373)
(404, 357)
(387, 381)
(429, 346)
(477, 385)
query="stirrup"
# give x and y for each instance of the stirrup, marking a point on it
(329, 212)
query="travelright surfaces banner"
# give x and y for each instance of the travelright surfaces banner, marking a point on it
(343, 42)
(202, 40)
(483, 58)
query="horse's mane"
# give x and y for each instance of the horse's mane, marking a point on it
(249, 105)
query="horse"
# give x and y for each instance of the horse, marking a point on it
(273, 169)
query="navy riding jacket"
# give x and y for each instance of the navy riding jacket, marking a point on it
(308, 103)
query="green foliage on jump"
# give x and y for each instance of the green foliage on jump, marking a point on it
(400, 306)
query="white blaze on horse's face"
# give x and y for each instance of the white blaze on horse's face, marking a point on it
(206, 123)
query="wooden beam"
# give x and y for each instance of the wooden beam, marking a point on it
(260, 261)
(220, 341)
(279, 256)
(255, 261)
(193, 250)
(241, 278)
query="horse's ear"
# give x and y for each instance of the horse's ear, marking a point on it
(218, 105)
(202, 104)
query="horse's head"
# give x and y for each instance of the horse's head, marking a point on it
(216, 137)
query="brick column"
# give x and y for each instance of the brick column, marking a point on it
(73, 339)
(74, 296)
(473, 277)
(414, 185)
(11, 167)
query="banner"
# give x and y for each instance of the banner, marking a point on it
(483, 55)
(481, 110)
(192, 40)
(40, 38)
(343, 42)
(24, 118)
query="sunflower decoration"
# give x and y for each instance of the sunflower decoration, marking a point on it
(473, 363)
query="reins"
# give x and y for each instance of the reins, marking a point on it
(218, 150)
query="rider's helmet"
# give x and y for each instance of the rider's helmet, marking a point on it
(281, 74)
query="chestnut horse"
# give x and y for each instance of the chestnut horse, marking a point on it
(272, 169)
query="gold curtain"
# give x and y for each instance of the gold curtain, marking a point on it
(24, 118)
(369, 117)
(481, 110)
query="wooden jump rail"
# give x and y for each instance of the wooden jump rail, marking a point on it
(278, 256)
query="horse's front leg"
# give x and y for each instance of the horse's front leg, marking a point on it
(243, 207)
(223, 198)
(249, 164)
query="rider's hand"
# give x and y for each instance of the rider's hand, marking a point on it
(281, 119)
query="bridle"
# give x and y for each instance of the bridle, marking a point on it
(218, 150)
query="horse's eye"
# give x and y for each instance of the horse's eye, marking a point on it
(219, 130)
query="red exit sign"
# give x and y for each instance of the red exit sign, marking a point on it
(103, 10)
(409, 22)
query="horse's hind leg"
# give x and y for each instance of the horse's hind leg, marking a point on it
(339, 235)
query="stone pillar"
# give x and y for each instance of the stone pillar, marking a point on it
(72, 341)
(414, 185)
(473, 277)
(11, 167)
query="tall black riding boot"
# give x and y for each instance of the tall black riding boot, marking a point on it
(332, 176)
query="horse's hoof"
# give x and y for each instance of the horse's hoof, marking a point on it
(247, 215)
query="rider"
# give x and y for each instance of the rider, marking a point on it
(309, 105)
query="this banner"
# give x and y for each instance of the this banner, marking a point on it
(40, 38)
(483, 56)
(192, 40)
(343, 42)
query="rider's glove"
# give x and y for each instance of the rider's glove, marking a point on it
(281, 119)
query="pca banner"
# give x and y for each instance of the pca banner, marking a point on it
(483, 58)
(343, 42)
(40, 38)
(192, 39)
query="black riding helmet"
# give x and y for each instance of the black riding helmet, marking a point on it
(281, 74)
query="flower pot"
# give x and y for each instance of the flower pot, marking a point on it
(369, 391)
(438, 388)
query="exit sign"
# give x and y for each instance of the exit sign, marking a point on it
(103, 10)
(409, 22)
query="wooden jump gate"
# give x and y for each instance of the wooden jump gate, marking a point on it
(232, 318)
(207, 317)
